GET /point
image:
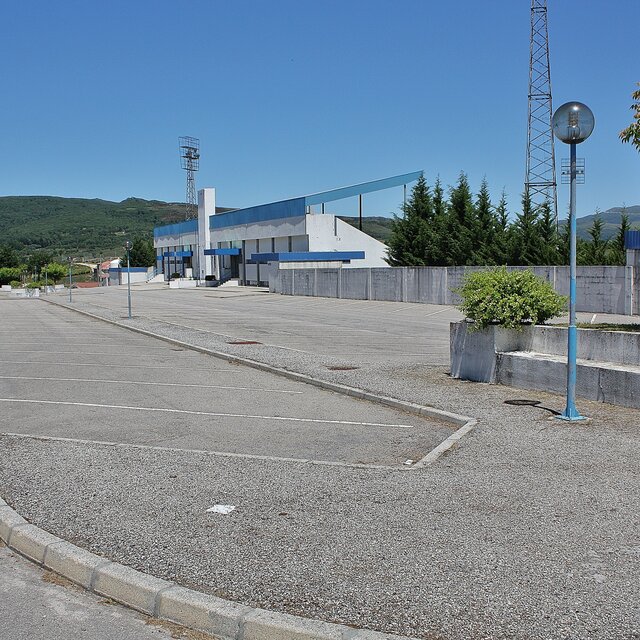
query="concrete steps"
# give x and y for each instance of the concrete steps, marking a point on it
(610, 382)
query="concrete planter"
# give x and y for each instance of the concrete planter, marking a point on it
(608, 367)
(474, 354)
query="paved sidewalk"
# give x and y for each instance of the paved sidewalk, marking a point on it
(528, 529)
(38, 605)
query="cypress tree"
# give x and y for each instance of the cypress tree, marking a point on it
(486, 227)
(411, 234)
(526, 245)
(617, 253)
(502, 236)
(547, 228)
(461, 224)
(595, 251)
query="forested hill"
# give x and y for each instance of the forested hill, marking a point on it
(93, 227)
(80, 226)
(611, 219)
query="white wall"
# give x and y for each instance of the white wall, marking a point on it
(328, 233)
(206, 208)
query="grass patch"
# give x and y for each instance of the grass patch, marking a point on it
(609, 326)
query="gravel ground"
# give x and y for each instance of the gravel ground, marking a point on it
(528, 529)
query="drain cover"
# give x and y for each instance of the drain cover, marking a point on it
(244, 342)
(342, 368)
(523, 403)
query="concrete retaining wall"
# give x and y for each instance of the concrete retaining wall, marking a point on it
(599, 289)
(608, 368)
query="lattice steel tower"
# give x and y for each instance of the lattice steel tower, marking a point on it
(190, 161)
(540, 182)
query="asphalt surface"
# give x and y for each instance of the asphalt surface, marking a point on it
(38, 605)
(64, 375)
(528, 529)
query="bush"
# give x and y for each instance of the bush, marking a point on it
(15, 284)
(508, 298)
(9, 274)
(210, 278)
(176, 275)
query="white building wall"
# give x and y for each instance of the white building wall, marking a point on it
(206, 208)
(328, 233)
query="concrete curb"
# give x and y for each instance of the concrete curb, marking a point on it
(465, 423)
(163, 599)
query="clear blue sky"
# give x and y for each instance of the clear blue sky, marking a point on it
(294, 96)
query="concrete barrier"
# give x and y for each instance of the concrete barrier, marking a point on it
(599, 289)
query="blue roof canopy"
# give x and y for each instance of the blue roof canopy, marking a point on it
(308, 256)
(297, 206)
(363, 187)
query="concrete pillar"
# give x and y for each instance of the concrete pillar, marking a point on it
(206, 208)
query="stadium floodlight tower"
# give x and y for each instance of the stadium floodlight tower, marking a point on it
(540, 181)
(190, 162)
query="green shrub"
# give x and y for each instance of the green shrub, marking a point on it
(176, 275)
(508, 298)
(15, 284)
(9, 274)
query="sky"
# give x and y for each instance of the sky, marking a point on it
(291, 97)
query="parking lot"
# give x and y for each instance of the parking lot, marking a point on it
(356, 330)
(63, 375)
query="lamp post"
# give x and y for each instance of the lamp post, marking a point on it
(127, 245)
(46, 280)
(70, 259)
(573, 123)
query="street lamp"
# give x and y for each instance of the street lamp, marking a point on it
(70, 259)
(573, 123)
(127, 245)
(46, 279)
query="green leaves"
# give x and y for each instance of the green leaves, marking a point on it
(508, 298)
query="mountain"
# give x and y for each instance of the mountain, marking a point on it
(375, 226)
(80, 226)
(611, 219)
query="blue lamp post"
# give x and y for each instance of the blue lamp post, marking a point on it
(573, 123)
(128, 245)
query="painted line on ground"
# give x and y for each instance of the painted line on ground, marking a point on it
(120, 366)
(81, 353)
(62, 343)
(208, 413)
(464, 423)
(152, 384)
(217, 454)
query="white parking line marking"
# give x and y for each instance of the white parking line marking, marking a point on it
(152, 384)
(71, 343)
(82, 353)
(208, 413)
(121, 366)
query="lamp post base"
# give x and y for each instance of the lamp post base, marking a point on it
(571, 414)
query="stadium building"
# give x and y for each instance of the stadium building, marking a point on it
(249, 244)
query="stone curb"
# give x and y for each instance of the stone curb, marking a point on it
(163, 599)
(465, 423)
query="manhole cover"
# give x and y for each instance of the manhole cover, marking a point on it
(342, 368)
(244, 342)
(523, 403)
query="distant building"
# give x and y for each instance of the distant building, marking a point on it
(248, 244)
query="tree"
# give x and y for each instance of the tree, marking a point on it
(526, 245)
(548, 231)
(411, 234)
(632, 132)
(617, 252)
(141, 254)
(55, 271)
(37, 260)
(457, 236)
(8, 257)
(595, 251)
(486, 227)
(502, 235)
